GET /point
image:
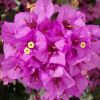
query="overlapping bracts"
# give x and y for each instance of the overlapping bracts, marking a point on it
(53, 54)
(91, 10)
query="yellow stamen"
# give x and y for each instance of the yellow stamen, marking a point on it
(31, 44)
(31, 6)
(27, 50)
(75, 3)
(82, 44)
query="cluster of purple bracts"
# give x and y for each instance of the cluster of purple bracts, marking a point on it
(90, 10)
(52, 54)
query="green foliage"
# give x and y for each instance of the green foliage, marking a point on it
(92, 2)
(13, 92)
(60, 2)
(10, 15)
(54, 16)
(96, 93)
(1, 47)
(97, 21)
(2, 9)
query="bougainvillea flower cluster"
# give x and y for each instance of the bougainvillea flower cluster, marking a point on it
(91, 10)
(9, 4)
(50, 49)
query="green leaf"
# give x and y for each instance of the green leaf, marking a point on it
(93, 2)
(97, 21)
(10, 15)
(13, 92)
(96, 93)
(1, 47)
(2, 9)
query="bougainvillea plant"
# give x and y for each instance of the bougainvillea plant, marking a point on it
(50, 49)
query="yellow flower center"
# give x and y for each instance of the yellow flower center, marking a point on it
(31, 6)
(75, 3)
(27, 50)
(82, 44)
(31, 45)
